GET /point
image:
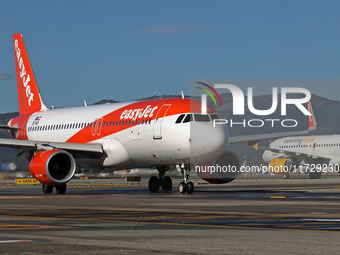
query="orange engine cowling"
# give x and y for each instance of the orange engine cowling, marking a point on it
(223, 169)
(53, 167)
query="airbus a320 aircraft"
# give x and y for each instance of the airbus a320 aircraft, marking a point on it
(154, 133)
(316, 154)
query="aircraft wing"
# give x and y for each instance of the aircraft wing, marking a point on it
(80, 149)
(253, 139)
(8, 127)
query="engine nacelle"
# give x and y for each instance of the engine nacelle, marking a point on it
(280, 165)
(223, 169)
(53, 167)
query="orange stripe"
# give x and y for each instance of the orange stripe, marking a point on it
(178, 106)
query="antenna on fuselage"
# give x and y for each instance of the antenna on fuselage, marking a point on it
(182, 94)
(85, 104)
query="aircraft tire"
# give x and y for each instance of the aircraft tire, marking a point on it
(154, 184)
(286, 176)
(190, 187)
(312, 175)
(182, 187)
(47, 189)
(166, 183)
(61, 189)
(318, 175)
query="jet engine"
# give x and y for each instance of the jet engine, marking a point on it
(223, 169)
(53, 167)
(280, 165)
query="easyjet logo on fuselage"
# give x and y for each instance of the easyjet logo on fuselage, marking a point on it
(133, 114)
(25, 78)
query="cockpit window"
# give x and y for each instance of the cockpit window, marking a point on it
(202, 117)
(188, 118)
(180, 118)
(214, 116)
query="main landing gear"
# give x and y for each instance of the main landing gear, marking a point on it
(315, 175)
(61, 189)
(185, 185)
(165, 182)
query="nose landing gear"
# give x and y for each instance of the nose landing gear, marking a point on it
(185, 185)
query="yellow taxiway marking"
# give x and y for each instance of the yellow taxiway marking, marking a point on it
(174, 218)
(11, 226)
(277, 197)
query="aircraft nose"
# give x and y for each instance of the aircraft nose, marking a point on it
(266, 156)
(207, 141)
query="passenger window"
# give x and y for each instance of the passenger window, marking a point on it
(180, 118)
(202, 117)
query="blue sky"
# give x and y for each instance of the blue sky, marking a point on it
(124, 50)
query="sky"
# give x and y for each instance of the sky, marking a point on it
(126, 50)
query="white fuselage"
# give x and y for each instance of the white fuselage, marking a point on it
(323, 146)
(130, 142)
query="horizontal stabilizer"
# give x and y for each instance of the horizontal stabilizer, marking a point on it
(8, 128)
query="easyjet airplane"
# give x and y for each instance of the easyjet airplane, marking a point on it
(154, 133)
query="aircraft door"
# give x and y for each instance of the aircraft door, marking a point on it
(96, 127)
(157, 126)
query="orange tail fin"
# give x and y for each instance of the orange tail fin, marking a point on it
(28, 92)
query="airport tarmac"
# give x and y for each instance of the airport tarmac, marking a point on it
(264, 216)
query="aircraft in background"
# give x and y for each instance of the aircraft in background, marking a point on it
(315, 154)
(142, 134)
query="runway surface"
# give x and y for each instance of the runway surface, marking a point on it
(266, 216)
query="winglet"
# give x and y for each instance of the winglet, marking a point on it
(311, 118)
(28, 93)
